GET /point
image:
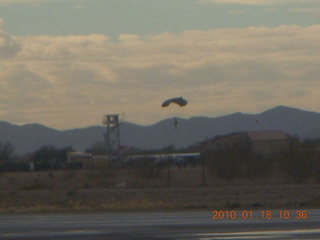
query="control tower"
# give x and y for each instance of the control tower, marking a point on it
(112, 136)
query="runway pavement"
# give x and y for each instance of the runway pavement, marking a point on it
(255, 224)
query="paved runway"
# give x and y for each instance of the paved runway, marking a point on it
(162, 225)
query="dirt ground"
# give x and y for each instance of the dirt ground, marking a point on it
(130, 190)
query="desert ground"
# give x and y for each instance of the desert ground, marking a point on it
(125, 190)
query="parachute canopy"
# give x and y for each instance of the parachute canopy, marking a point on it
(179, 100)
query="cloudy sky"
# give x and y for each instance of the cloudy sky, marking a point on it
(66, 63)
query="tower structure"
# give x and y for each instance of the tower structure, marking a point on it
(112, 136)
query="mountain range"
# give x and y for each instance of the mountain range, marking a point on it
(30, 137)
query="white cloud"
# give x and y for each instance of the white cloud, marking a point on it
(258, 2)
(71, 81)
(31, 2)
(129, 38)
(307, 10)
(10, 2)
(246, 2)
(8, 47)
(78, 6)
(236, 12)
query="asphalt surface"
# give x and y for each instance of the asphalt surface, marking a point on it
(258, 224)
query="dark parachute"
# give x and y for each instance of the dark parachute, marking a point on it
(179, 100)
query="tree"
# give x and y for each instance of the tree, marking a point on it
(301, 161)
(99, 148)
(6, 152)
(47, 153)
(62, 154)
(224, 164)
(168, 149)
(149, 168)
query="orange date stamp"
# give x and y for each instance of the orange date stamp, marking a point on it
(268, 214)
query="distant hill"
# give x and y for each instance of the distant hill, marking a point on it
(30, 137)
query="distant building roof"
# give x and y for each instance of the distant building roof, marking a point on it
(268, 135)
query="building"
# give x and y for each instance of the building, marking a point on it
(266, 144)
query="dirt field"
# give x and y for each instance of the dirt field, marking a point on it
(129, 190)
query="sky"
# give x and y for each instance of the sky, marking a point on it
(67, 63)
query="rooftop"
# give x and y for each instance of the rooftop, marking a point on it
(268, 135)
